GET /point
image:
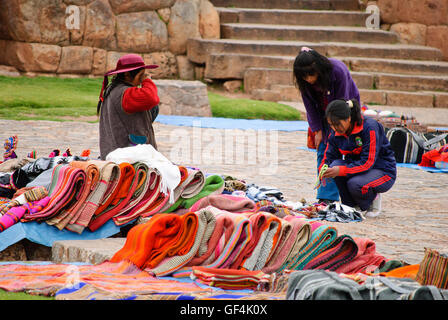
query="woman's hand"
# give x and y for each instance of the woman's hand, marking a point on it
(331, 172)
(318, 138)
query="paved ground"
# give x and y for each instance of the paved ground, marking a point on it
(415, 211)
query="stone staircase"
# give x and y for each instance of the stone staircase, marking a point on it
(261, 38)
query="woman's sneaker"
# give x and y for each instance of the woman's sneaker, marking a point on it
(375, 208)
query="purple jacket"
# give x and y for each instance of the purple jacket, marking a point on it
(342, 86)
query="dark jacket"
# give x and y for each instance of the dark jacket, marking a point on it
(365, 148)
(342, 86)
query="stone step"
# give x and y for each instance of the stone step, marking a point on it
(262, 78)
(290, 4)
(199, 49)
(402, 66)
(232, 66)
(89, 251)
(436, 119)
(292, 17)
(305, 33)
(421, 99)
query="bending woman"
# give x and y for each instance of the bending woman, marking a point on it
(359, 157)
(320, 81)
(127, 110)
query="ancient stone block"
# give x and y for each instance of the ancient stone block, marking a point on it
(183, 24)
(126, 6)
(410, 33)
(76, 59)
(209, 26)
(34, 57)
(141, 32)
(100, 25)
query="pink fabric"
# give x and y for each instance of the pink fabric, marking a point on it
(366, 260)
(225, 202)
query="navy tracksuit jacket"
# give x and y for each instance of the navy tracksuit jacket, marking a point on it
(366, 163)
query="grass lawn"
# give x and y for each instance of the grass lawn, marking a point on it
(50, 98)
(5, 295)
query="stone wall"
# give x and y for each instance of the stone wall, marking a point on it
(421, 22)
(38, 37)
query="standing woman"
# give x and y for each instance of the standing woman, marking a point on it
(321, 80)
(128, 106)
(359, 157)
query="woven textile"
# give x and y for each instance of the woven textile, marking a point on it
(266, 244)
(225, 202)
(92, 174)
(214, 184)
(258, 221)
(125, 190)
(291, 245)
(341, 251)
(227, 278)
(220, 235)
(66, 183)
(367, 258)
(108, 173)
(327, 285)
(143, 202)
(16, 213)
(320, 240)
(433, 269)
(182, 252)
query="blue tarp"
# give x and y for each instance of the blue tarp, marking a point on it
(45, 234)
(403, 165)
(227, 123)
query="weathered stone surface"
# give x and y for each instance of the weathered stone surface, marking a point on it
(183, 24)
(112, 59)
(372, 96)
(199, 72)
(141, 32)
(78, 2)
(209, 26)
(164, 14)
(185, 68)
(437, 36)
(99, 61)
(410, 99)
(187, 98)
(428, 12)
(100, 25)
(15, 252)
(35, 21)
(441, 100)
(410, 33)
(167, 64)
(90, 251)
(76, 59)
(77, 34)
(34, 57)
(126, 6)
(232, 85)
(9, 71)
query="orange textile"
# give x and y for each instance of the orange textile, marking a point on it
(147, 244)
(409, 271)
(128, 173)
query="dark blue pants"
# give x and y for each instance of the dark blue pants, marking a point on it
(330, 190)
(361, 189)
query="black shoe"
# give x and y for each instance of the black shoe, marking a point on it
(326, 201)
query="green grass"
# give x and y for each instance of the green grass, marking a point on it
(250, 109)
(45, 98)
(56, 99)
(5, 295)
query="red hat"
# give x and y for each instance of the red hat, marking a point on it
(130, 62)
(126, 63)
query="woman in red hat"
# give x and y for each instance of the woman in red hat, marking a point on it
(128, 106)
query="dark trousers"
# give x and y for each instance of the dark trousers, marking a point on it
(361, 189)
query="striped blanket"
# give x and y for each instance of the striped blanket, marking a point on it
(66, 183)
(320, 240)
